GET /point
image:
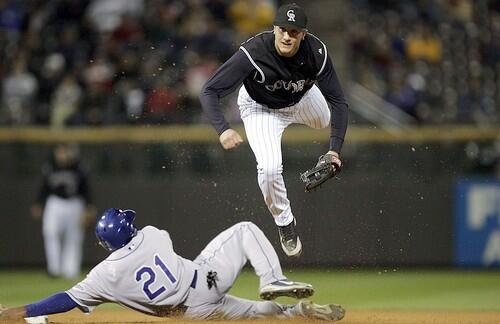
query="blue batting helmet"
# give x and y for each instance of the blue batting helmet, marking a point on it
(115, 228)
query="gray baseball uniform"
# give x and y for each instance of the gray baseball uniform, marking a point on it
(148, 276)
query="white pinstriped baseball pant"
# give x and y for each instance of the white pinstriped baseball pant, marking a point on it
(264, 129)
(63, 235)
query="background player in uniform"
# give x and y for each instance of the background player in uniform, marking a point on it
(64, 205)
(144, 273)
(279, 70)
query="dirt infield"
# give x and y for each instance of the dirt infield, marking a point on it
(352, 317)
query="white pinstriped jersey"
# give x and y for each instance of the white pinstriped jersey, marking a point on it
(145, 275)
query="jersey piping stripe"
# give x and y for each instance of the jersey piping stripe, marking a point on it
(223, 243)
(324, 60)
(215, 251)
(263, 252)
(131, 251)
(326, 54)
(264, 32)
(80, 306)
(254, 64)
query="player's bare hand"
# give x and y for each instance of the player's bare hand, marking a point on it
(230, 139)
(88, 218)
(36, 211)
(335, 159)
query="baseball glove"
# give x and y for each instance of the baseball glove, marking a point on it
(327, 167)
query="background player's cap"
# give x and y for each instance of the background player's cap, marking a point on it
(291, 15)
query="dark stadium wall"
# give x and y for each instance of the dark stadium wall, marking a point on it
(392, 205)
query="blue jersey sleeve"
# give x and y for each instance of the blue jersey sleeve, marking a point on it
(58, 303)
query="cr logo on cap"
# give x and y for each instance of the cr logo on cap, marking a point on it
(291, 15)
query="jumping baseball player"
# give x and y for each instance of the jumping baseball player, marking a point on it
(279, 70)
(144, 273)
(63, 204)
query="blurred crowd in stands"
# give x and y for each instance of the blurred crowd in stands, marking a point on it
(438, 60)
(95, 62)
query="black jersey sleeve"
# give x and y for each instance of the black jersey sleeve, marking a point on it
(224, 81)
(83, 187)
(44, 190)
(329, 85)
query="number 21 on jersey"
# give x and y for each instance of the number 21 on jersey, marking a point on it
(150, 273)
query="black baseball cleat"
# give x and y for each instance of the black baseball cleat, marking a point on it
(289, 239)
(286, 288)
(329, 312)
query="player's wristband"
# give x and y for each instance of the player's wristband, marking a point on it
(58, 303)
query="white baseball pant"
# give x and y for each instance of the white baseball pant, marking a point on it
(63, 235)
(264, 129)
(227, 254)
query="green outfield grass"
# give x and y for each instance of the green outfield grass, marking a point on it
(370, 289)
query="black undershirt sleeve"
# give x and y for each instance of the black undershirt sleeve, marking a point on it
(225, 80)
(83, 188)
(329, 85)
(44, 191)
